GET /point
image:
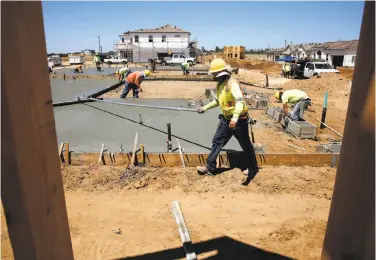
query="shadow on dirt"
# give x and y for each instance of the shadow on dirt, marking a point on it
(218, 248)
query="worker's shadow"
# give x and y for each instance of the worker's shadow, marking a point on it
(218, 248)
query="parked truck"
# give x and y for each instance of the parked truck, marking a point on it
(54, 61)
(307, 69)
(76, 60)
(115, 60)
(177, 59)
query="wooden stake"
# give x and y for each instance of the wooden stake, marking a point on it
(134, 151)
(66, 154)
(350, 232)
(181, 153)
(61, 152)
(32, 187)
(100, 158)
(183, 231)
(142, 151)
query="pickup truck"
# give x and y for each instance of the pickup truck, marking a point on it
(177, 59)
(314, 68)
(310, 69)
(115, 60)
(54, 61)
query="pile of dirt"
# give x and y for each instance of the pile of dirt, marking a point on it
(312, 181)
(346, 72)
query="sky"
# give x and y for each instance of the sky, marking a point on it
(74, 26)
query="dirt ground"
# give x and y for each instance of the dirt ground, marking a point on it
(282, 211)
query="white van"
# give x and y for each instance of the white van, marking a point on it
(54, 61)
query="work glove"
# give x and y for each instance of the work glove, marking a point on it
(200, 111)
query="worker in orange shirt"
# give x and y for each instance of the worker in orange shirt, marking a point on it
(133, 81)
(78, 69)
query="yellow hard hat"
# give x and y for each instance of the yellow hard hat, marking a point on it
(117, 72)
(217, 65)
(278, 95)
(147, 73)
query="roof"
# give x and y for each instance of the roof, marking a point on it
(277, 50)
(166, 28)
(339, 45)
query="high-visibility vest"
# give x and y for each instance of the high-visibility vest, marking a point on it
(227, 101)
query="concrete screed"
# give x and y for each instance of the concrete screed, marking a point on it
(87, 126)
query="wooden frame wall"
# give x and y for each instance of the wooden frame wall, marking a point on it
(32, 187)
(350, 232)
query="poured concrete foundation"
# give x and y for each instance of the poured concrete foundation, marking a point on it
(71, 89)
(87, 126)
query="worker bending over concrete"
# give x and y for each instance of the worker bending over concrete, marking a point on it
(184, 67)
(78, 69)
(123, 73)
(298, 98)
(133, 81)
(232, 121)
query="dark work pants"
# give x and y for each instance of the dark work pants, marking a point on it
(128, 87)
(223, 135)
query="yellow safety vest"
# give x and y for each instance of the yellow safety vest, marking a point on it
(227, 101)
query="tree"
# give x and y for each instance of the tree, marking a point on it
(217, 49)
(203, 49)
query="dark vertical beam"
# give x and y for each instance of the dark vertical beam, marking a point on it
(169, 142)
(32, 187)
(350, 232)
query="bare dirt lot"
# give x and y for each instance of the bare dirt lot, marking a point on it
(283, 211)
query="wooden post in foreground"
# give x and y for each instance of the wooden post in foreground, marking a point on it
(350, 233)
(32, 187)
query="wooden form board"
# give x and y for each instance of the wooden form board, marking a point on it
(32, 187)
(195, 159)
(350, 232)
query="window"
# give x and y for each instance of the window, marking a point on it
(323, 66)
(136, 38)
(122, 39)
(236, 55)
(150, 38)
(353, 59)
(177, 35)
(131, 40)
(181, 56)
(163, 38)
(310, 66)
(319, 55)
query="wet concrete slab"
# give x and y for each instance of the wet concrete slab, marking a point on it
(70, 89)
(87, 126)
(105, 70)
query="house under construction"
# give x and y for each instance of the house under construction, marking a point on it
(234, 52)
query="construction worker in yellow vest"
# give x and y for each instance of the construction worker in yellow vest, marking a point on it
(232, 121)
(184, 67)
(97, 61)
(123, 73)
(296, 97)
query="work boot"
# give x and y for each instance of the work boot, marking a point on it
(253, 172)
(202, 170)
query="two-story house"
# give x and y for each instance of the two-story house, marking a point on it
(143, 44)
